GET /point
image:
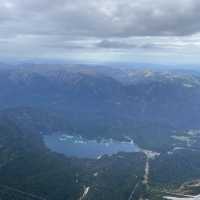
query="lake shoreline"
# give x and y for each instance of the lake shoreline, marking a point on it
(80, 147)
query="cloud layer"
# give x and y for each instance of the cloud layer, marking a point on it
(55, 25)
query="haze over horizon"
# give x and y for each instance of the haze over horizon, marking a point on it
(152, 31)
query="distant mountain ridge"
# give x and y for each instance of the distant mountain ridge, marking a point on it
(101, 102)
(158, 109)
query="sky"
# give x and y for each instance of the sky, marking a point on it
(160, 31)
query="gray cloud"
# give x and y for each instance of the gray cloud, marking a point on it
(88, 24)
(110, 44)
(98, 18)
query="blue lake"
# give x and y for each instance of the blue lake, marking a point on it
(82, 148)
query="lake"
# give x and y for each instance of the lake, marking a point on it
(76, 146)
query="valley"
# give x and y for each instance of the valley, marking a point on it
(83, 133)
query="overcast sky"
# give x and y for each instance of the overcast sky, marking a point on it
(117, 30)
